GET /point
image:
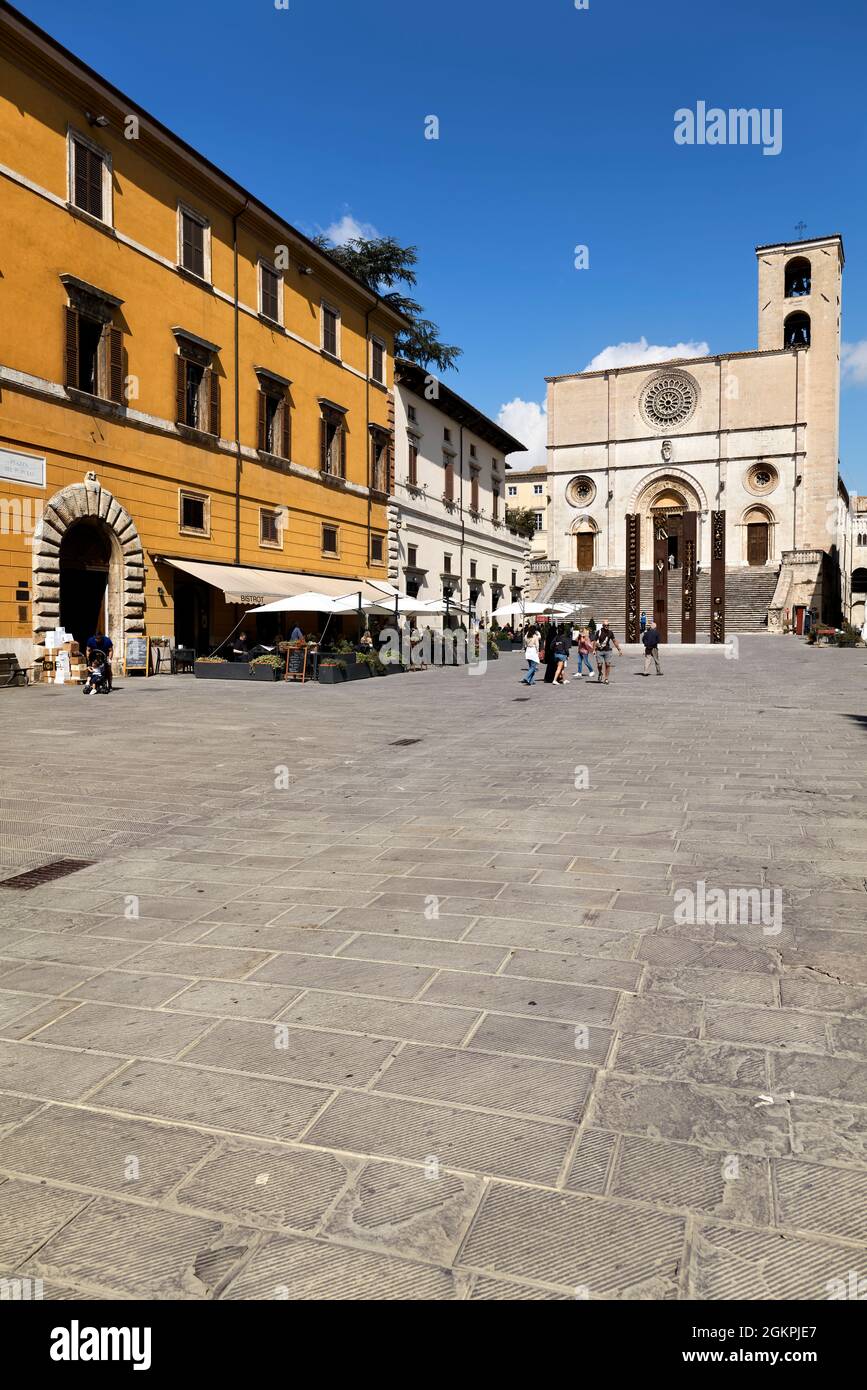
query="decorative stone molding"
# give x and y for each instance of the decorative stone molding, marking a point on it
(126, 601)
(669, 399)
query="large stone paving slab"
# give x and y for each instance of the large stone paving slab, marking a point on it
(430, 1024)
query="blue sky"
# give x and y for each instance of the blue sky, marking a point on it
(556, 130)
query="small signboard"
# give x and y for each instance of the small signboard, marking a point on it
(136, 656)
(22, 468)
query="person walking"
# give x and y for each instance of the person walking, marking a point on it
(606, 642)
(585, 651)
(561, 652)
(650, 639)
(531, 652)
(550, 653)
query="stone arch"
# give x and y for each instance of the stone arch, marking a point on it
(758, 512)
(584, 533)
(583, 522)
(126, 602)
(661, 486)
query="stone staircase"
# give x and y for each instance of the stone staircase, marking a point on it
(748, 593)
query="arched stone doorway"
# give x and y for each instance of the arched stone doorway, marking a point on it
(88, 565)
(666, 497)
(758, 536)
(584, 532)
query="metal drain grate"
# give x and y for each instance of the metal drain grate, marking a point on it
(404, 742)
(47, 873)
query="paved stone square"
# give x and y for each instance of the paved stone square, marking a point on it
(332, 1016)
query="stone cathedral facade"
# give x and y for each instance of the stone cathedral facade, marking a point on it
(752, 434)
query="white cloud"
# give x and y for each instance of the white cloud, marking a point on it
(348, 228)
(527, 421)
(635, 354)
(853, 363)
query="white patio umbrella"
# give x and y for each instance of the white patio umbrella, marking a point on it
(509, 610)
(301, 603)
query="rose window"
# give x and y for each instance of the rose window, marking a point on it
(669, 399)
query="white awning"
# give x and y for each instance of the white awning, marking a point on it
(252, 587)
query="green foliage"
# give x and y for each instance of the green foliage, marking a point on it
(381, 263)
(522, 520)
(268, 659)
(372, 661)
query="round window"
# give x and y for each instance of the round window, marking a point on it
(762, 477)
(580, 492)
(669, 399)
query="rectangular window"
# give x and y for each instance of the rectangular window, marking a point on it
(195, 514)
(493, 574)
(379, 461)
(89, 353)
(192, 239)
(333, 449)
(472, 569)
(537, 489)
(514, 578)
(447, 435)
(447, 563)
(412, 556)
(412, 471)
(411, 414)
(94, 356)
(270, 533)
(474, 493)
(198, 396)
(88, 166)
(495, 503)
(538, 520)
(472, 451)
(329, 540)
(377, 550)
(330, 335)
(512, 491)
(269, 292)
(377, 361)
(448, 478)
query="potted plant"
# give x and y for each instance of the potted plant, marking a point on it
(372, 661)
(268, 667)
(332, 672)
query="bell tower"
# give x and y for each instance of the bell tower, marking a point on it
(800, 286)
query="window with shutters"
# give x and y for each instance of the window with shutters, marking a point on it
(270, 529)
(472, 569)
(333, 443)
(194, 517)
(274, 435)
(330, 331)
(270, 296)
(412, 556)
(198, 385)
(377, 550)
(377, 361)
(495, 503)
(194, 243)
(330, 540)
(89, 178)
(474, 491)
(412, 465)
(447, 563)
(94, 357)
(448, 478)
(379, 442)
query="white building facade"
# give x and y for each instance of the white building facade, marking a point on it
(447, 534)
(753, 434)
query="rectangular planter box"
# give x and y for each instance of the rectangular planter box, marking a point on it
(266, 673)
(222, 670)
(355, 672)
(331, 675)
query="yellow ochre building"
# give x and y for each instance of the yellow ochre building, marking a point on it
(196, 408)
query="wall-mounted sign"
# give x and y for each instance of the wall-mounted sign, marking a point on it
(22, 468)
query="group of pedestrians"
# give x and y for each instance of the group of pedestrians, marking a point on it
(595, 651)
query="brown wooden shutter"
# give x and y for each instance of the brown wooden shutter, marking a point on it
(79, 175)
(342, 429)
(262, 431)
(213, 403)
(391, 463)
(71, 346)
(286, 438)
(323, 445)
(181, 401)
(94, 178)
(115, 364)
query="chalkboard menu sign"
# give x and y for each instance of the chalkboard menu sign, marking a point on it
(136, 655)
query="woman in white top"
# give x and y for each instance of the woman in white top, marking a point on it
(531, 652)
